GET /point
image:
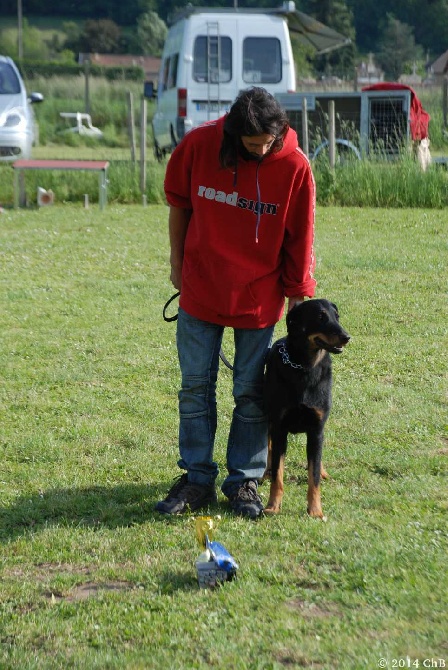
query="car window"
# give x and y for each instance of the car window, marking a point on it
(212, 59)
(262, 60)
(9, 82)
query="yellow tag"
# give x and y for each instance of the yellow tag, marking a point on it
(205, 526)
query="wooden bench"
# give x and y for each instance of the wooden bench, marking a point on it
(97, 166)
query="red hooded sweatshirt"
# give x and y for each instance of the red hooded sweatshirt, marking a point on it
(250, 238)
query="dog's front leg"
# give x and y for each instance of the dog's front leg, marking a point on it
(276, 463)
(277, 489)
(314, 504)
(314, 454)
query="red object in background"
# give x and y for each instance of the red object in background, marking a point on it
(419, 121)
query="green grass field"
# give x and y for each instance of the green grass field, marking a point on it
(92, 578)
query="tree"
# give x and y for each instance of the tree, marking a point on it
(303, 56)
(368, 15)
(34, 46)
(397, 48)
(151, 34)
(72, 34)
(431, 25)
(335, 14)
(8, 43)
(102, 36)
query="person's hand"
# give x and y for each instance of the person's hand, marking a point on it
(294, 300)
(176, 277)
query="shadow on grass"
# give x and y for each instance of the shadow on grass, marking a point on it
(91, 507)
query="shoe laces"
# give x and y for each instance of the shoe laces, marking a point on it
(183, 488)
(248, 492)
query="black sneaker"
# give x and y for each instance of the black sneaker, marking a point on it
(184, 496)
(245, 501)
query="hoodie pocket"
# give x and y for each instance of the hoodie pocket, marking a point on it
(220, 287)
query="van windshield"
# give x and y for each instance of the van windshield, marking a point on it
(262, 60)
(212, 59)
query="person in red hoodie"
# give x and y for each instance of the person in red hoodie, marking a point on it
(241, 224)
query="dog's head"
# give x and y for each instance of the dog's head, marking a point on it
(315, 323)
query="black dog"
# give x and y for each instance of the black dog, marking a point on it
(297, 392)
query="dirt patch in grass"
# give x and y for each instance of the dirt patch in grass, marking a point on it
(312, 610)
(88, 590)
(292, 660)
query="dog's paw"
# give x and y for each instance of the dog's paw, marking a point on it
(316, 513)
(273, 507)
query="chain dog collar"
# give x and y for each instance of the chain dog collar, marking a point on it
(285, 357)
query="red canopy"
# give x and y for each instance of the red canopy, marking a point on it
(419, 120)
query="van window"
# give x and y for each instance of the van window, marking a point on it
(172, 74)
(163, 77)
(262, 60)
(168, 78)
(212, 59)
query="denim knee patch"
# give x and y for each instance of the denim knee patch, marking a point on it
(196, 396)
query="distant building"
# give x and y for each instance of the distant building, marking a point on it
(149, 64)
(438, 69)
(413, 79)
(369, 73)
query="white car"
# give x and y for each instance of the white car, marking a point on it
(17, 122)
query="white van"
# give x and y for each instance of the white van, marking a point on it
(209, 56)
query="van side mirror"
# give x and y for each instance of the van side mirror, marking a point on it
(149, 91)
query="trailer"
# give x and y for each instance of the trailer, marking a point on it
(378, 120)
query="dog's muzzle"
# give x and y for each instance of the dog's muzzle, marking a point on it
(335, 345)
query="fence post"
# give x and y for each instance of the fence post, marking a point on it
(143, 121)
(131, 125)
(87, 85)
(445, 102)
(305, 136)
(21, 188)
(331, 133)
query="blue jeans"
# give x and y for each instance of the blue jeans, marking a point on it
(198, 345)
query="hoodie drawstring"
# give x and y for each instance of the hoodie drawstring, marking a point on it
(258, 205)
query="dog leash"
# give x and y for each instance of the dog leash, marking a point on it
(174, 318)
(167, 304)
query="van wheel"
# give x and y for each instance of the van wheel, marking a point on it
(174, 142)
(158, 152)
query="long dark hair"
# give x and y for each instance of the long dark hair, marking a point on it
(254, 112)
